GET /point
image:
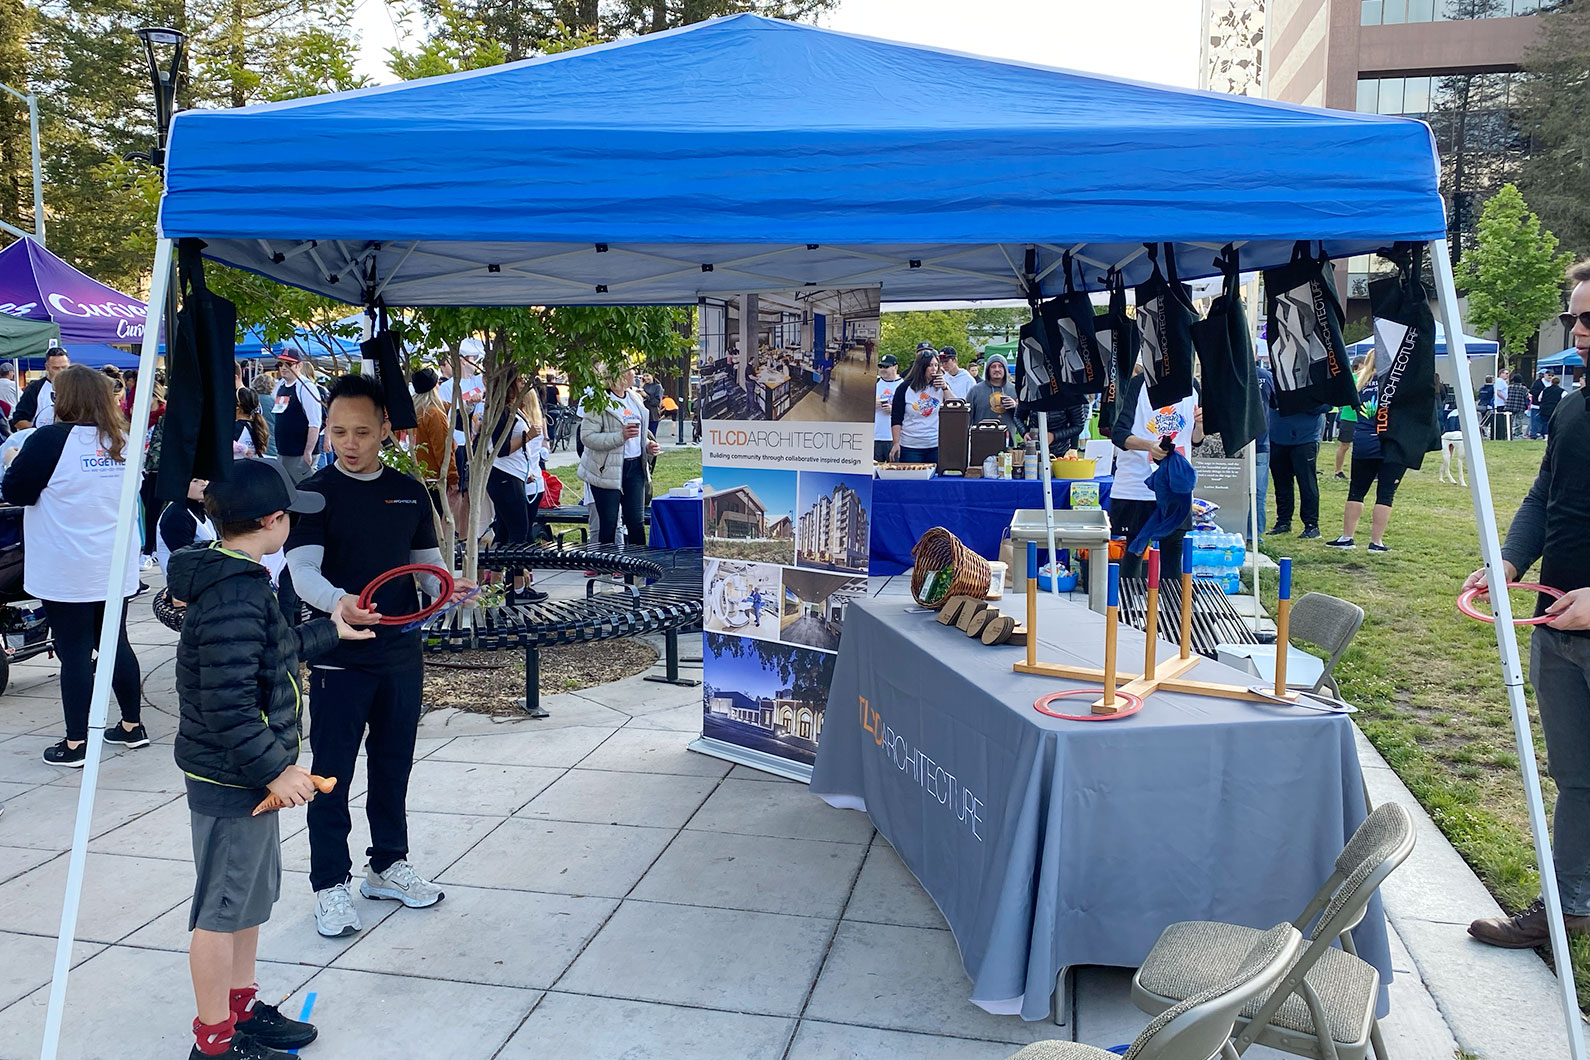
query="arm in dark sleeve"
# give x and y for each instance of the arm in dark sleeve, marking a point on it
(27, 405)
(177, 528)
(1126, 412)
(315, 638)
(35, 462)
(1526, 537)
(897, 413)
(230, 642)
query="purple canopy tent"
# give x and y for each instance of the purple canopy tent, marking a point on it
(37, 285)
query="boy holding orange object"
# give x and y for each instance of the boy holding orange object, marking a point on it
(237, 743)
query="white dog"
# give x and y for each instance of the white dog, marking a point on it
(1452, 449)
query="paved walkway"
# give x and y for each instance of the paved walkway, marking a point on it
(610, 894)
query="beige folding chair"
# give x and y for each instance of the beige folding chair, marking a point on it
(1327, 987)
(1326, 622)
(1201, 1025)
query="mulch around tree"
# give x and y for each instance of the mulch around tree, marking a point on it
(492, 682)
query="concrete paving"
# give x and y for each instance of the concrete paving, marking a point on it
(610, 894)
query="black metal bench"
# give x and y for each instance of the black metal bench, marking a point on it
(577, 514)
(667, 601)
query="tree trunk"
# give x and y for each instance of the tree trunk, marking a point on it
(659, 15)
(236, 55)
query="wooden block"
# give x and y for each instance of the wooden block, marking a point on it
(998, 630)
(951, 611)
(1018, 635)
(972, 609)
(980, 622)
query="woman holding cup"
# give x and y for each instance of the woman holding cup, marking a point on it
(995, 398)
(915, 420)
(614, 463)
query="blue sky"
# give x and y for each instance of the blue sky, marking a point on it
(775, 489)
(743, 674)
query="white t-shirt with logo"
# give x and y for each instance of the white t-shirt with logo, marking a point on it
(45, 414)
(882, 419)
(1133, 466)
(920, 428)
(633, 410)
(960, 383)
(72, 492)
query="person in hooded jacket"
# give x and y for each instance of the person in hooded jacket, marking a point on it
(239, 734)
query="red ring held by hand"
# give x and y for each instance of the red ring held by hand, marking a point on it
(1465, 602)
(443, 576)
(1134, 704)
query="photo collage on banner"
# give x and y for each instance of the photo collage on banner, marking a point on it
(787, 395)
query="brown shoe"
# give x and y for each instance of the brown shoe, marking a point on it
(1526, 930)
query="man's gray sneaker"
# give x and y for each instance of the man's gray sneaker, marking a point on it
(400, 883)
(335, 916)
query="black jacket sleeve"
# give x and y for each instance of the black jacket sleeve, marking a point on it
(1526, 537)
(315, 638)
(897, 413)
(231, 642)
(28, 403)
(1126, 417)
(30, 472)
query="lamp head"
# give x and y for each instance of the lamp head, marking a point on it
(160, 35)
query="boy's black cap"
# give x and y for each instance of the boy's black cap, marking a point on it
(255, 489)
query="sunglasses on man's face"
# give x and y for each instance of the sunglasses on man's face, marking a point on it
(1568, 320)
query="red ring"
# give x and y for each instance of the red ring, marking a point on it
(366, 598)
(1466, 598)
(1042, 705)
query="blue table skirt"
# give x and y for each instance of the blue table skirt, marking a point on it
(975, 510)
(676, 522)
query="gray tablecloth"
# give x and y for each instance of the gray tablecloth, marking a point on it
(1050, 843)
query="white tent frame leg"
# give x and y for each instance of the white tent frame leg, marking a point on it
(1507, 639)
(121, 556)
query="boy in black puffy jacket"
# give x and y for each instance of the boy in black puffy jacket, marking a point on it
(238, 741)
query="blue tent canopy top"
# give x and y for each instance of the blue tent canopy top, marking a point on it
(1476, 347)
(1568, 358)
(751, 154)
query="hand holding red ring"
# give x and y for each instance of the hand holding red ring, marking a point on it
(1465, 602)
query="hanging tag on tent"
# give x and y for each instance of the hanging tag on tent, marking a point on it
(1231, 402)
(1164, 319)
(1404, 413)
(1307, 355)
(1117, 338)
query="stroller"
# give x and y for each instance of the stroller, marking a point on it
(22, 621)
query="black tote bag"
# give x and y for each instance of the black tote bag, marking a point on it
(201, 381)
(1307, 356)
(1164, 320)
(1040, 370)
(1116, 334)
(1405, 418)
(1230, 397)
(385, 348)
(1070, 322)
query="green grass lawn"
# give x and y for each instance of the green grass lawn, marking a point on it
(1426, 680)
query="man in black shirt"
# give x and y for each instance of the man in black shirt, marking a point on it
(296, 407)
(375, 519)
(1550, 398)
(1553, 525)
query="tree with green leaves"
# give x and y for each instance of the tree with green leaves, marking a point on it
(1513, 274)
(900, 333)
(97, 107)
(1553, 107)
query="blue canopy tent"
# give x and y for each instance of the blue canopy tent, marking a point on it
(1476, 347)
(1568, 358)
(745, 155)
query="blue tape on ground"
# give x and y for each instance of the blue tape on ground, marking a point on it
(309, 1006)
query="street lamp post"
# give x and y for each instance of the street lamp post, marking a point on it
(32, 102)
(164, 81)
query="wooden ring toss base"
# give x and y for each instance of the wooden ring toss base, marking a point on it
(1465, 602)
(1133, 705)
(1157, 677)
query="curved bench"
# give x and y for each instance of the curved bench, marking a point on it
(669, 602)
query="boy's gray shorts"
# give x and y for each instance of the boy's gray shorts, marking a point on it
(239, 865)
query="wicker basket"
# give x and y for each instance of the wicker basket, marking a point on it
(938, 549)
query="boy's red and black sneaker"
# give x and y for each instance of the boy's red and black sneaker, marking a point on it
(268, 1027)
(243, 1048)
